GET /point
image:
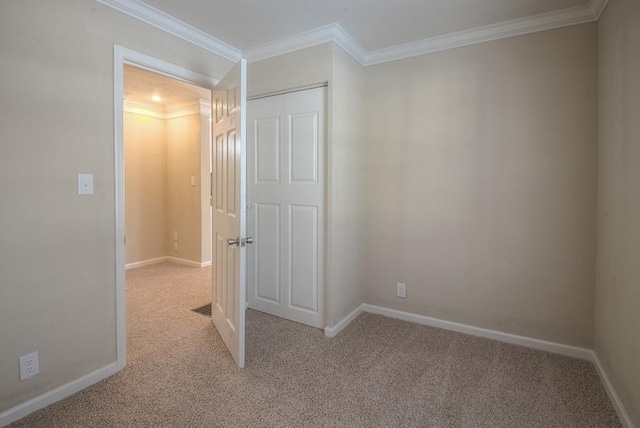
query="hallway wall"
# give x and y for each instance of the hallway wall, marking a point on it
(145, 156)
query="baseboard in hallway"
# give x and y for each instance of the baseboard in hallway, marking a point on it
(157, 260)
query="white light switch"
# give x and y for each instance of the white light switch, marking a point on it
(85, 184)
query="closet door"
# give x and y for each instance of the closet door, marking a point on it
(286, 205)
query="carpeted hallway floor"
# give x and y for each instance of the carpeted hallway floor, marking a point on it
(378, 372)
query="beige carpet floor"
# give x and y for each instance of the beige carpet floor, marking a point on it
(377, 372)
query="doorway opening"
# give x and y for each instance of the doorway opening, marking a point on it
(167, 143)
(162, 172)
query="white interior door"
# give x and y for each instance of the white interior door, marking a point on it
(229, 209)
(286, 194)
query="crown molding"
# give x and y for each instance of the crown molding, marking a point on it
(156, 18)
(172, 111)
(547, 21)
(598, 7)
(144, 108)
(332, 33)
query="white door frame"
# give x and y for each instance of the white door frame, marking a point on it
(121, 57)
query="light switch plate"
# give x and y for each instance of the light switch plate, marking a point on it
(85, 184)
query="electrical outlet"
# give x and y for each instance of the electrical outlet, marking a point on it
(29, 366)
(175, 235)
(401, 290)
(175, 245)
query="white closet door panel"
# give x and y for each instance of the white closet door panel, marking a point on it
(267, 250)
(303, 265)
(286, 205)
(303, 146)
(267, 154)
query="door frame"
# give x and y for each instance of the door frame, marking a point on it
(122, 56)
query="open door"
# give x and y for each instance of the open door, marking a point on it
(229, 191)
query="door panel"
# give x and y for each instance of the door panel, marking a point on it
(267, 158)
(229, 216)
(267, 250)
(303, 140)
(286, 137)
(304, 258)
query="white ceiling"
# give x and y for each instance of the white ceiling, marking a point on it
(141, 85)
(374, 24)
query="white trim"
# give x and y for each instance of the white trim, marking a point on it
(317, 36)
(143, 263)
(144, 109)
(547, 21)
(556, 348)
(205, 107)
(623, 415)
(155, 261)
(165, 22)
(186, 262)
(171, 111)
(598, 7)
(124, 56)
(57, 394)
(335, 33)
(174, 111)
(342, 324)
(164, 68)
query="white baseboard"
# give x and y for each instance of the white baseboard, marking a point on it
(556, 348)
(333, 331)
(57, 394)
(623, 415)
(184, 262)
(166, 259)
(144, 263)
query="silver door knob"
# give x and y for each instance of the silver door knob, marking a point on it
(247, 240)
(233, 241)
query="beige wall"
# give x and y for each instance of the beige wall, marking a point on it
(617, 323)
(345, 205)
(57, 257)
(161, 156)
(183, 199)
(481, 174)
(145, 157)
(293, 70)
(206, 214)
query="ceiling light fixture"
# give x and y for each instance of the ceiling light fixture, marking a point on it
(156, 98)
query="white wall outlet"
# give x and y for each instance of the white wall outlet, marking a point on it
(85, 184)
(175, 235)
(29, 366)
(175, 245)
(401, 290)
(193, 181)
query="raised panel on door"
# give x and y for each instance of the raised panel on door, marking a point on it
(303, 147)
(220, 280)
(303, 254)
(266, 146)
(267, 253)
(232, 154)
(230, 291)
(220, 172)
